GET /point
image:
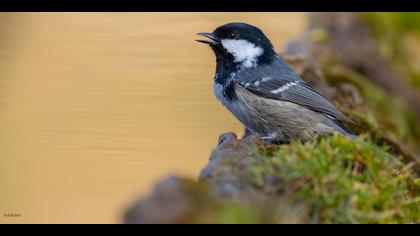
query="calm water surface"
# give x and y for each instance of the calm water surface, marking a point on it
(95, 107)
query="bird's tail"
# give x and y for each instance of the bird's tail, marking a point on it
(339, 127)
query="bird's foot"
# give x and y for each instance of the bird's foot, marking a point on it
(273, 141)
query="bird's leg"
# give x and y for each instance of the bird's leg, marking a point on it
(272, 140)
(269, 140)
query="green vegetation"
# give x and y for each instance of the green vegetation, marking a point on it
(397, 34)
(331, 180)
(338, 180)
(391, 27)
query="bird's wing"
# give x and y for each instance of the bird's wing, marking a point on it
(286, 85)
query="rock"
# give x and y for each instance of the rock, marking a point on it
(223, 194)
(173, 200)
(225, 178)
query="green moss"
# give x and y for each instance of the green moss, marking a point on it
(232, 213)
(331, 180)
(341, 181)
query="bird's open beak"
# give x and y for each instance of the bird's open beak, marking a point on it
(212, 39)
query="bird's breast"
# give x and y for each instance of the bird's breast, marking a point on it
(218, 91)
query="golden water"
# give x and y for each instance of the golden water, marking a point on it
(95, 107)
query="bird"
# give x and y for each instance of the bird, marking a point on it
(267, 96)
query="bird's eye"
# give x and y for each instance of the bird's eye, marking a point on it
(232, 35)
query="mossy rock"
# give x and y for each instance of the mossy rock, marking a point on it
(331, 180)
(342, 181)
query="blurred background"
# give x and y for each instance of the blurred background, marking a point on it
(95, 107)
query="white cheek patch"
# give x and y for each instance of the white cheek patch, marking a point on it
(243, 51)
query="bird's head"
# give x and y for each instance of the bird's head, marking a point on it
(239, 44)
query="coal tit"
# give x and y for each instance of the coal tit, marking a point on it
(254, 83)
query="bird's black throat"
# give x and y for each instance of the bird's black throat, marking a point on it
(224, 72)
